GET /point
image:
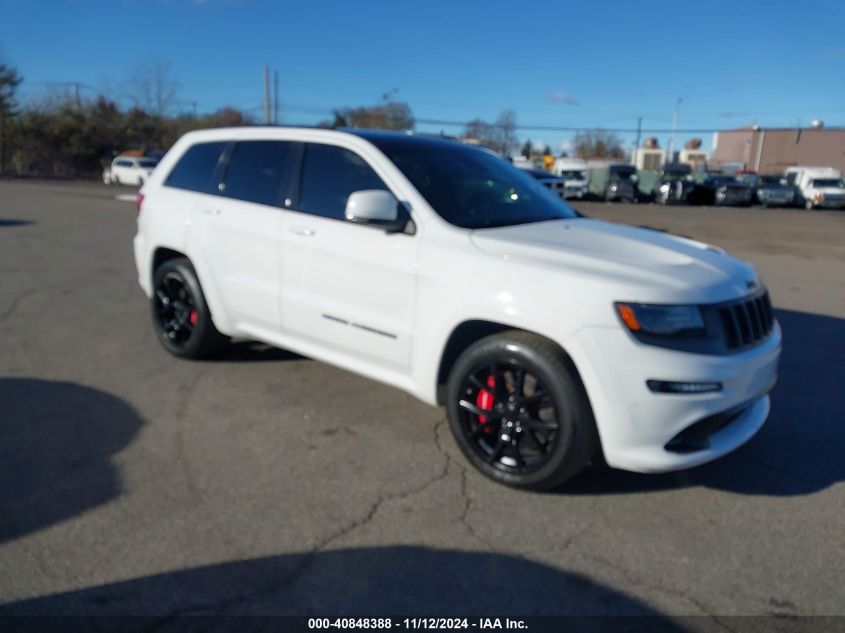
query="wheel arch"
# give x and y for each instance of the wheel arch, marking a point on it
(468, 332)
(218, 315)
(161, 255)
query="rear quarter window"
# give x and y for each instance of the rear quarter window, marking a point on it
(260, 171)
(195, 169)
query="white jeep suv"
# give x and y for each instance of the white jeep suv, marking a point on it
(442, 270)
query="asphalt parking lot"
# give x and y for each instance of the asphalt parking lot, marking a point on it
(264, 482)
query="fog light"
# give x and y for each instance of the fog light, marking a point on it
(665, 386)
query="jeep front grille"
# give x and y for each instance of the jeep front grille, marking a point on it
(747, 321)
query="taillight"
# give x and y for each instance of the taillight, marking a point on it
(140, 202)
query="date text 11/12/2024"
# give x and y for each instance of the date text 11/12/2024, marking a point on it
(417, 623)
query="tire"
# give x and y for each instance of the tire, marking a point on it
(181, 318)
(534, 436)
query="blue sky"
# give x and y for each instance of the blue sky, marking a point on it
(555, 63)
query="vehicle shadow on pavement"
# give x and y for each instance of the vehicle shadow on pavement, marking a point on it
(799, 449)
(252, 352)
(5, 223)
(56, 443)
(402, 580)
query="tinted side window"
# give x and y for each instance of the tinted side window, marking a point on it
(259, 171)
(196, 167)
(329, 175)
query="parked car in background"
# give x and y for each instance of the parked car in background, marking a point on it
(769, 190)
(675, 184)
(721, 191)
(574, 173)
(823, 193)
(555, 183)
(613, 182)
(582, 339)
(819, 187)
(129, 170)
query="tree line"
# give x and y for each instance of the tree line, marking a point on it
(66, 136)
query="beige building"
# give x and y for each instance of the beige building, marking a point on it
(771, 150)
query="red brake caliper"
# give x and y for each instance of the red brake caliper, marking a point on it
(194, 317)
(485, 400)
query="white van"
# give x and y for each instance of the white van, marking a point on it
(574, 173)
(820, 187)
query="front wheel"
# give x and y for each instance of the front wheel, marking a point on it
(519, 413)
(181, 318)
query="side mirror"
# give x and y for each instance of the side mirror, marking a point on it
(379, 209)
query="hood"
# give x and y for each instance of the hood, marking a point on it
(653, 265)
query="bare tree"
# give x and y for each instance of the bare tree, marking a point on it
(598, 144)
(499, 136)
(506, 124)
(152, 88)
(390, 115)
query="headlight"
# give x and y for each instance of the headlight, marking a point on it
(661, 320)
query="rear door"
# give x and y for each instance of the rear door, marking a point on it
(348, 287)
(240, 229)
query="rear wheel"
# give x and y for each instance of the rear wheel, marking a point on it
(519, 413)
(181, 318)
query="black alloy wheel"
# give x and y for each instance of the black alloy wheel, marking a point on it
(519, 412)
(181, 318)
(175, 308)
(508, 417)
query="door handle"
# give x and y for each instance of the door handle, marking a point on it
(302, 230)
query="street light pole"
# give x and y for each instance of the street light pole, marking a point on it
(671, 156)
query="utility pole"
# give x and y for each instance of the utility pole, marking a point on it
(639, 134)
(275, 97)
(266, 95)
(78, 102)
(671, 156)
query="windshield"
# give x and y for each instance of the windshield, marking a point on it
(826, 182)
(573, 174)
(469, 187)
(621, 173)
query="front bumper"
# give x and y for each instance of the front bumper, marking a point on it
(775, 197)
(635, 424)
(830, 203)
(731, 198)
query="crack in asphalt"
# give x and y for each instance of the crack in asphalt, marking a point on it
(309, 559)
(14, 305)
(186, 392)
(635, 580)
